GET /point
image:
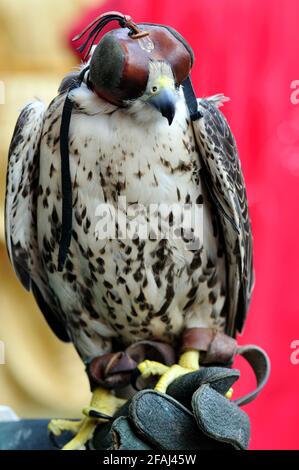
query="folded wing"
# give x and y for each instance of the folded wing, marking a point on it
(224, 179)
(20, 212)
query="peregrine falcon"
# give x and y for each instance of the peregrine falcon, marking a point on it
(145, 150)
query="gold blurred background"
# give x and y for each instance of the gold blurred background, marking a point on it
(41, 375)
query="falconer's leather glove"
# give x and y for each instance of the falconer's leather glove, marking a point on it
(193, 415)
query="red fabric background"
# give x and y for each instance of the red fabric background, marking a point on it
(249, 51)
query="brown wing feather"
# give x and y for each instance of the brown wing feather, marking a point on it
(227, 189)
(20, 213)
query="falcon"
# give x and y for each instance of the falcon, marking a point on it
(127, 127)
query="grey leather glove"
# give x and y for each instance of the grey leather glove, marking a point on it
(193, 415)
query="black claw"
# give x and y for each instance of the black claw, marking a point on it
(98, 414)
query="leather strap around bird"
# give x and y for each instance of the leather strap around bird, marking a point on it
(114, 370)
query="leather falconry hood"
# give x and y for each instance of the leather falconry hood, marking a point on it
(119, 66)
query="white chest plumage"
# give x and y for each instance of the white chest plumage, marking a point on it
(124, 288)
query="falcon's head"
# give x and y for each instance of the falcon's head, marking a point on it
(141, 68)
(160, 92)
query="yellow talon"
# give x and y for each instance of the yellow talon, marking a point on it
(148, 368)
(229, 393)
(58, 426)
(85, 434)
(170, 375)
(102, 402)
(190, 359)
(189, 362)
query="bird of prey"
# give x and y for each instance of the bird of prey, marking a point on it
(114, 291)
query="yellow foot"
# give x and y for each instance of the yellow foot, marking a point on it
(58, 426)
(83, 433)
(189, 362)
(102, 407)
(103, 404)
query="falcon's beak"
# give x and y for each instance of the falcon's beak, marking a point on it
(165, 102)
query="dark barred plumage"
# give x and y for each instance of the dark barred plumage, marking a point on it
(227, 189)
